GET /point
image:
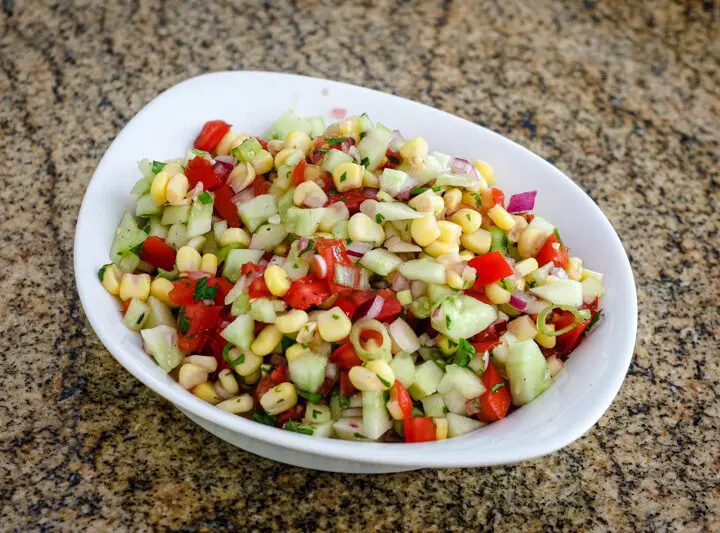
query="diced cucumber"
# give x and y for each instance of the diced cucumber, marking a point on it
(317, 126)
(424, 174)
(465, 381)
(324, 430)
(200, 218)
(176, 214)
(356, 400)
(376, 420)
(442, 159)
(247, 150)
(262, 310)
(561, 292)
(285, 202)
(455, 180)
(142, 186)
(374, 144)
(446, 384)
(127, 236)
(542, 225)
(539, 276)
(236, 259)
(268, 236)
(365, 123)
(303, 222)
(156, 227)
(404, 368)
(437, 292)
(527, 371)
(350, 429)
(161, 343)
(381, 261)
(429, 354)
(434, 405)
(461, 317)
(460, 425)
(160, 314)
(240, 305)
(308, 371)
(421, 307)
(290, 121)
(211, 244)
(128, 263)
(427, 378)
(394, 181)
(219, 228)
(177, 236)
(498, 240)
(425, 269)
(136, 315)
(335, 408)
(396, 211)
(333, 158)
(340, 230)
(591, 289)
(240, 332)
(455, 402)
(146, 206)
(297, 265)
(256, 212)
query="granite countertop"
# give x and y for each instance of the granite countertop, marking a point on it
(623, 97)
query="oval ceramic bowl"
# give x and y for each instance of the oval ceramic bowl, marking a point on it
(167, 126)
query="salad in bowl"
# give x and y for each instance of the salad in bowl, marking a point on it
(347, 282)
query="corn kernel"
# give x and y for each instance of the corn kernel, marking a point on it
(309, 194)
(452, 199)
(333, 325)
(449, 232)
(348, 176)
(237, 405)
(502, 218)
(246, 363)
(546, 341)
(279, 399)
(172, 168)
(134, 286)
(485, 171)
(238, 140)
(466, 255)
(383, 371)
(228, 381)
(496, 294)
(206, 392)
(438, 248)
(111, 278)
(370, 180)
(526, 266)
(362, 228)
(160, 288)
(425, 230)
(295, 351)
(188, 259)
(266, 341)
(197, 242)
(454, 280)
(575, 268)
(414, 151)
(471, 198)
(292, 321)
(530, 242)
(241, 177)
(427, 202)
(277, 280)
(441, 428)
(252, 378)
(446, 344)
(192, 375)
(350, 127)
(209, 263)
(207, 362)
(298, 140)
(158, 188)
(262, 162)
(225, 144)
(364, 379)
(404, 297)
(478, 242)
(468, 219)
(234, 236)
(177, 189)
(287, 155)
(523, 327)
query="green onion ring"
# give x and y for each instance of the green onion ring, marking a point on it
(383, 351)
(579, 314)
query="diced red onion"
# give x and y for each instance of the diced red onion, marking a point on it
(397, 141)
(418, 288)
(460, 166)
(302, 243)
(338, 112)
(226, 159)
(346, 276)
(368, 207)
(468, 273)
(380, 284)
(319, 266)
(208, 302)
(363, 280)
(197, 274)
(559, 273)
(398, 282)
(222, 169)
(262, 262)
(473, 407)
(355, 412)
(369, 192)
(517, 301)
(276, 260)
(376, 307)
(534, 305)
(243, 196)
(331, 371)
(521, 203)
(354, 153)
(430, 341)
(315, 200)
(358, 249)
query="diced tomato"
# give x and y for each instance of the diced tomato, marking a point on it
(367, 335)
(260, 186)
(274, 378)
(158, 253)
(195, 321)
(485, 346)
(280, 374)
(258, 288)
(306, 292)
(223, 288)
(391, 308)
(351, 301)
(346, 386)
(200, 170)
(296, 413)
(567, 342)
(262, 142)
(352, 199)
(326, 387)
(420, 429)
(492, 332)
(553, 251)
(225, 207)
(479, 294)
(298, 173)
(213, 131)
(400, 398)
(250, 268)
(491, 406)
(125, 305)
(345, 357)
(215, 347)
(498, 197)
(333, 251)
(183, 291)
(490, 198)
(490, 267)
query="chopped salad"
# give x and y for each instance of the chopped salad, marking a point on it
(346, 282)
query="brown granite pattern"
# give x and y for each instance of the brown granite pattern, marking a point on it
(622, 96)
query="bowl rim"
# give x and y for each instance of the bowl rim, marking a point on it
(415, 454)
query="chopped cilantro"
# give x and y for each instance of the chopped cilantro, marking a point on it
(593, 322)
(201, 153)
(362, 135)
(315, 413)
(286, 342)
(205, 198)
(332, 191)
(385, 382)
(297, 428)
(183, 322)
(365, 161)
(167, 274)
(379, 218)
(202, 291)
(359, 436)
(140, 318)
(497, 386)
(157, 166)
(448, 321)
(418, 190)
(310, 246)
(464, 353)
(468, 217)
(333, 141)
(395, 160)
(313, 397)
(137, 248)
(343, 402)
(343, 177)
(478, 198)
(232, 363)
(336, 316)
(101, 272)
(263, 418)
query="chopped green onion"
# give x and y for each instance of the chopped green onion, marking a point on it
(313, 397)
(579, 314)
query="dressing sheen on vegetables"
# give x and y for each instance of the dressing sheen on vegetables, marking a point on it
(344, 282)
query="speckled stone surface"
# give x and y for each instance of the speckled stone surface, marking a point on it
(622, 96)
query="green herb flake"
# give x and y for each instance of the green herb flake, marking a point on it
(205, 198)
(202, 291)
(497, 386)
(557, 236)
(157, 166)
(232, 363)
(297, 428)
(343, 402)
(140, 319)
(359, 436)
(365, 161)
(310, 246)
(464, 353)
(136, 249)
(183, 322)
(478, 198)
(201, 153)
(101, 272)
(343, 177)
(418, 190)
(263, 418)
(468, 217)
(313, 397)
(385, 382)
(336, 316)
(316, 413)
(379, 218)
(448, 321)
(285, 343)
(334, 142)
(395, 160)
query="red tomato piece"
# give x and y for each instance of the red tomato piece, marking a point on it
(298, 173)
(553, 251)
(223, 288)
(262, 142)
(215, 347)
(260, 186)
(212, 132)
(274, 378)
(333, 251)
(485, 346)
(490, 198)
(346, 386)
(200, 170)
(125, 305)
(492, 332)
(490, 267)
(183, 292)
(158, 253)
(296, 413)
(352, 199)
(251, 268)
(345, 357)
(420, 429)
(400, 398)
(258, 288)
(194, 325)
(351, 301)
(225, 207)
(491, 406)
(306, 292)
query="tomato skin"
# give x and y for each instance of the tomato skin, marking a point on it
(306, 292)
(491, 406)
(490, 267)
(400, 396)
(351, 301)
(559, 256)
(183, 291)
(485, 346)
(346, 386)
(211, 134)
(250, 268)
(352, 199)
(158, 253)
(492, 332)
(260, 186)
(258, 288)
(296, 413)
(345, 357)
(125, 305)
(225, 207)
(223, 288)
(200, 170)
(491, 197)
(201, 319)
(215, 347)
(419, 429)
(298, 173)
(334, 253)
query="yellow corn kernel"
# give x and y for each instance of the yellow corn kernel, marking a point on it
(177, 189)
(502, 218)
(546, 341)
(526, 266)
(172, 168)
(452, 199)
(454, 280)
(285, 154)
(134, 286)
(292, 321)
(370, 180)
(496, 294)
(466, 255)
(262, 162)
(449, 232)
(279, 399)
(362, 228)
(241, 177)
(523, 327)
(586, 273)
(530, 242)
(160, 288)
(234, 236)
(295, 351)
(468, 219)
(425, 230)
(206, 391)
(383, 371)
(414, 151)
(350, 127)
(478, 242)
(348, 176)
(404, 297)
(158, 188)
(485, 171)
(252, 378)
(111, 278)
(446, 344)
(208, 362)
(365, 380)
(333, 325)
(438, 248)
(427, 202)
(237, 405)
(520, 284)
(298, 140)
(225, 144)
(277, 280)
(245, 362)
(238, 140)
(471, 198)
(209, 263)
(188, 259)
(192, 375)
(266, 341)
(309, 194)
(575, 268)
(517, 229)
(441, 428)
(228, 381)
